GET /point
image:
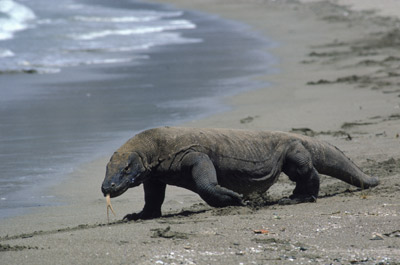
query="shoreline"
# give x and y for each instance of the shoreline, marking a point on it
(321, 85)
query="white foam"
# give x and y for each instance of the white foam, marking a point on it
(131, 48)
(172, 25)
(110, 61)
(14, 18)
(137, 17)
(6, 53)
(123, 32)
(115, 19)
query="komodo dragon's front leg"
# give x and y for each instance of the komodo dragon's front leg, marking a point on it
(205, 181)
(154, 194)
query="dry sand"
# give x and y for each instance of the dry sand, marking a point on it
(338, 80)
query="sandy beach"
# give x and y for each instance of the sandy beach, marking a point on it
(337, 79)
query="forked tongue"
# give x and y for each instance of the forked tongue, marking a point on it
(109, 207)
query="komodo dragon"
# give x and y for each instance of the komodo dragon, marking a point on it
(222, 165)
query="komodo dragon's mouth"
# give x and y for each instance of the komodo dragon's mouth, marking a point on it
(113, 189)
(111, 192)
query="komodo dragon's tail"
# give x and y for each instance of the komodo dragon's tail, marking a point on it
(329, 160)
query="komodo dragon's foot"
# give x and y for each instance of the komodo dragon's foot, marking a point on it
(142, 216)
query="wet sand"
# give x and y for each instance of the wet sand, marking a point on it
(338, 79)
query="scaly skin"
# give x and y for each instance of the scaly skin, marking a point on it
(222, 165)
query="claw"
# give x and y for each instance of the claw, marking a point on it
(109, 207)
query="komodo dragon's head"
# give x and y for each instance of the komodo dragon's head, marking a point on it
(125, 170)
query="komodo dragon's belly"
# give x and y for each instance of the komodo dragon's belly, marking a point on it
(246, 165)
(246, 177)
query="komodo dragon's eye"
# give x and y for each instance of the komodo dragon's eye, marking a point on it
(127, 168)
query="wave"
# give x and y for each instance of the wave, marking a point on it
(114, 60)
(6, 53)
(13, 17)
(110, 49)
(139, 17)
(53, 67)
(115, 19)
(173, 25)
(123, 32)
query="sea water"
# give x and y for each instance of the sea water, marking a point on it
(70, 33)
(77, 78)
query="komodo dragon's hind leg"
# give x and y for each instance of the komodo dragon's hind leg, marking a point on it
(299, 168)
(205, 181)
